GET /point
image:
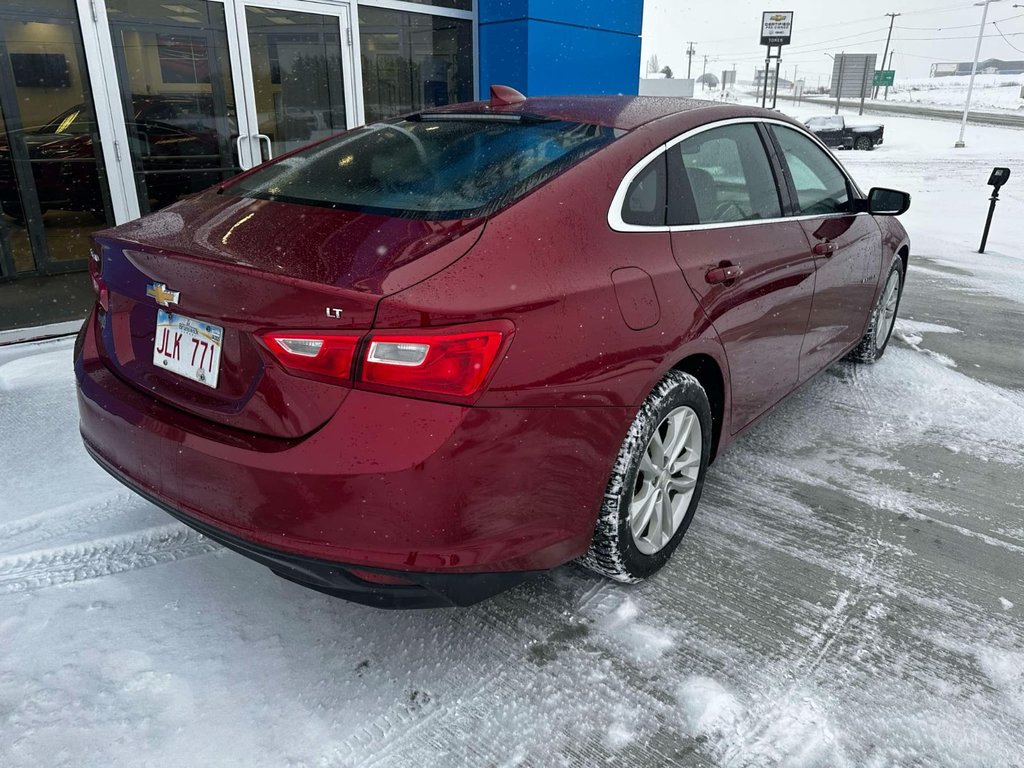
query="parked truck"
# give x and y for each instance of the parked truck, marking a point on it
(834, 131)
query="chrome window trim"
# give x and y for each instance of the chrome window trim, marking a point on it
(615, 211)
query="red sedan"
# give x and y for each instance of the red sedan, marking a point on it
(417, 362)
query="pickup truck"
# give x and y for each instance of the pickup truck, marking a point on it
(834, 132)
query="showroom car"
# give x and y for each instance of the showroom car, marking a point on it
(421, 361)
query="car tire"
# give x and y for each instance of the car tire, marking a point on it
(624, 548)
(883, 317)
(864, 143)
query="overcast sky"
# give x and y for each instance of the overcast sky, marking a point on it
(729, 33)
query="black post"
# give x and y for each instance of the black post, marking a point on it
(863, 87)
(988, 222)
(839, 86)
(767, 63)
(775, 90)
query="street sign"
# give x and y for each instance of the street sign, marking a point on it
(884, 77)
(776, 27)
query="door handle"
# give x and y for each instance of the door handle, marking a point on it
(724, 274)
(260, 137)
(824, 249)
(238, 149)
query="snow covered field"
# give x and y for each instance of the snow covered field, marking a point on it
(850, 593)
(992, 93)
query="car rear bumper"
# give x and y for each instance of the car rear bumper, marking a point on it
(410, 488)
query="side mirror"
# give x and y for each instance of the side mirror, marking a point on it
(887, 202)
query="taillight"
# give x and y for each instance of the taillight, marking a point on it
(326, 356)
(447, 363)
(450, 364)
(99, 285)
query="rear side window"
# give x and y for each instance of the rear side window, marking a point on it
(722, 175)
(644, 205)
(821, 188)
(441, 166)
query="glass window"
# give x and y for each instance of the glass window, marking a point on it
(821, 188)
(411, 61)
(722, 175)
(644, 205)
(434, 167)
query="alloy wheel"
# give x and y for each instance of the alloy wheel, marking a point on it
(666, 480)
(887, 309)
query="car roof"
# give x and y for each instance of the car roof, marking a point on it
(623, 112)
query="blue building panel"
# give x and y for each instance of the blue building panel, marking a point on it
(613, 15)
(504, 56)
(576, 60)
(551, 47)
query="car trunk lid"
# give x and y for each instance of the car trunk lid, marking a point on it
(253, 266)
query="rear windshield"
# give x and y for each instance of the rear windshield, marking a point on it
(430, 167)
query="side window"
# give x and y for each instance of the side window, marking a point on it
(721, 175)
(644, 205)
(821, 187)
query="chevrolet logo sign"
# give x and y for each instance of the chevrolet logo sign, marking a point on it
(161, 294)
(777, 17)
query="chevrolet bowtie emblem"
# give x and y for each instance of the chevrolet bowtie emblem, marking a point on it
(161, 294)
(777, 17)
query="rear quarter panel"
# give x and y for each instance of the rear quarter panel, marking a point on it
(546, 263)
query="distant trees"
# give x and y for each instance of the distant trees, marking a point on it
(708, 80)
(652, 64)
(667, 72)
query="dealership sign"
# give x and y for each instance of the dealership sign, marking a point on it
(776, 27)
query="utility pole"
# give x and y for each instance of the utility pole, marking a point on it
(892, 20)
(974, 71)
(689, 60)
(892, 55)
(703, 84)
(796, 68)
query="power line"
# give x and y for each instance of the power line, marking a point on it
(996, 25)
(959, 26)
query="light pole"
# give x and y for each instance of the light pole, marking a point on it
(974, 71)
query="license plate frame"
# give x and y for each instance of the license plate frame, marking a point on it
(188, 348)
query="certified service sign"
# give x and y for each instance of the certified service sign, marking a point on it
(776, 27)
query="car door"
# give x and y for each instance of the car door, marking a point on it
(749, 267)
(847, 248)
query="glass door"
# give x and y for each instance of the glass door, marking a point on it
(174, 69)
(53, 190)
(297, 75)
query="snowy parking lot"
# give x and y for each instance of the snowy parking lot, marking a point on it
(849, 594)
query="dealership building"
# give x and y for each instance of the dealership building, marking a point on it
(111, 109)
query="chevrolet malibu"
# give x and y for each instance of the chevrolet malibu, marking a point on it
(415, 363)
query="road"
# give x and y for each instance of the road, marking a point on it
(914, 110)
(849, 593)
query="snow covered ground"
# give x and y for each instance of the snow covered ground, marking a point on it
(850, 593)
(992, 93)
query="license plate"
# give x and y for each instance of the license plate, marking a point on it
(188, 347)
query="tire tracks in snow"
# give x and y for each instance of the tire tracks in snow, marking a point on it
(57, 521)
(103, 557)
